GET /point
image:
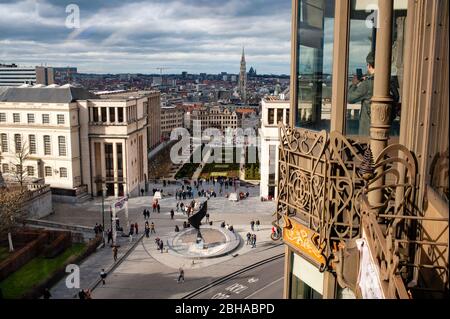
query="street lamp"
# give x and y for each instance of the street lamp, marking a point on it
(103, 205)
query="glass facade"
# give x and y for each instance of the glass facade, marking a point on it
(314, 63)
(361, 73)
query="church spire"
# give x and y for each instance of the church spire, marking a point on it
(243, 54)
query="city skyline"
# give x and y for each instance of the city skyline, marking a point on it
(195, 36)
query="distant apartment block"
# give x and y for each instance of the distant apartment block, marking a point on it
(171, 118)
(14, 75)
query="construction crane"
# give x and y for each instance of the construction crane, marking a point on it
(161, 69)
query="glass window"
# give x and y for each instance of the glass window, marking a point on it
(62, 146)
(362, 68)
(47, 148)
(62, 172)
(48, 171)
(30, 117)
(5, 168)
(2, 117)
(279, 115)
(314, 65)
(45, 119)
(271, 117)
(60, 118)
(32, 142)
(16, 117)
(4, 141)
(18, 142)
(30, 170)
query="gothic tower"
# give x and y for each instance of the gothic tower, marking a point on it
(243, 79)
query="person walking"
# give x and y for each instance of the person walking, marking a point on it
(152, 228)
(47, 294)
(181, 275)
(161, 246)
(249, 236)
(110, 236)
(252, 225)
(103, 276)
(207, 217)
(115, 250)
(147, 230)
(257, 225)
(145, 214)
(159, 208)
(171, 213)
(178, 207)
(136, 227)
(81, 294)
(254, 241)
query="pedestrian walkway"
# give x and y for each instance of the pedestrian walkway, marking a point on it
(90, 269)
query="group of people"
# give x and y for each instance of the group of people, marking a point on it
(156, 207)
(146, 214)
(251, 240)
(98, 229)
(159, 244)
(253, 224)
(182, 193)
(84, 294)
(149, 228)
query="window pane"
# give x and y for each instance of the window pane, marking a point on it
(2, 117)
(45, 119)
(4, 141)
(279, 115)
(32, 141)
(271, 119)
(48, 171)
(62, 145)
(103, 111)
(47, 149)
(16, 117)
(18, 142)
(60, 118)
(30, 118)
(314, 64)
(362, 68)
(62, 172)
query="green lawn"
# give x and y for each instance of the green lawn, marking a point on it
(36, 271)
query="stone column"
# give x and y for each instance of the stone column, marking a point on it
(108, 119)
(99, 112)
(381, 100)
(115, 166)
(103, 161)
(116, 115)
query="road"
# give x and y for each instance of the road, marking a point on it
(262, 282)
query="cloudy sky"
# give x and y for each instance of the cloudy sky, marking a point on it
(120, 36)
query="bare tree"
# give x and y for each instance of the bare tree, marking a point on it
(2, 181)
(11, 211)
(21, 156)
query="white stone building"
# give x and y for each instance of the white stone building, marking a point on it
(78, 142)
(274, 109)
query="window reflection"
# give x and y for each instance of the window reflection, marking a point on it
(314, 64)
(362, 68)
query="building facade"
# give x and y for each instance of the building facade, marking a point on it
(77, 141)
(365, 215)
(215, 116)
(171, 118)
(13, 75)
(274, 110)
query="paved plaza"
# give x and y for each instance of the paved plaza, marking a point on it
(135, 275)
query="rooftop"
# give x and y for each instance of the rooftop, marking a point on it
(50, 94)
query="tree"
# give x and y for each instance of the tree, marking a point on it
(11, 211)
(22, 155)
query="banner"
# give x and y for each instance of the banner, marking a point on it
(368, 278)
